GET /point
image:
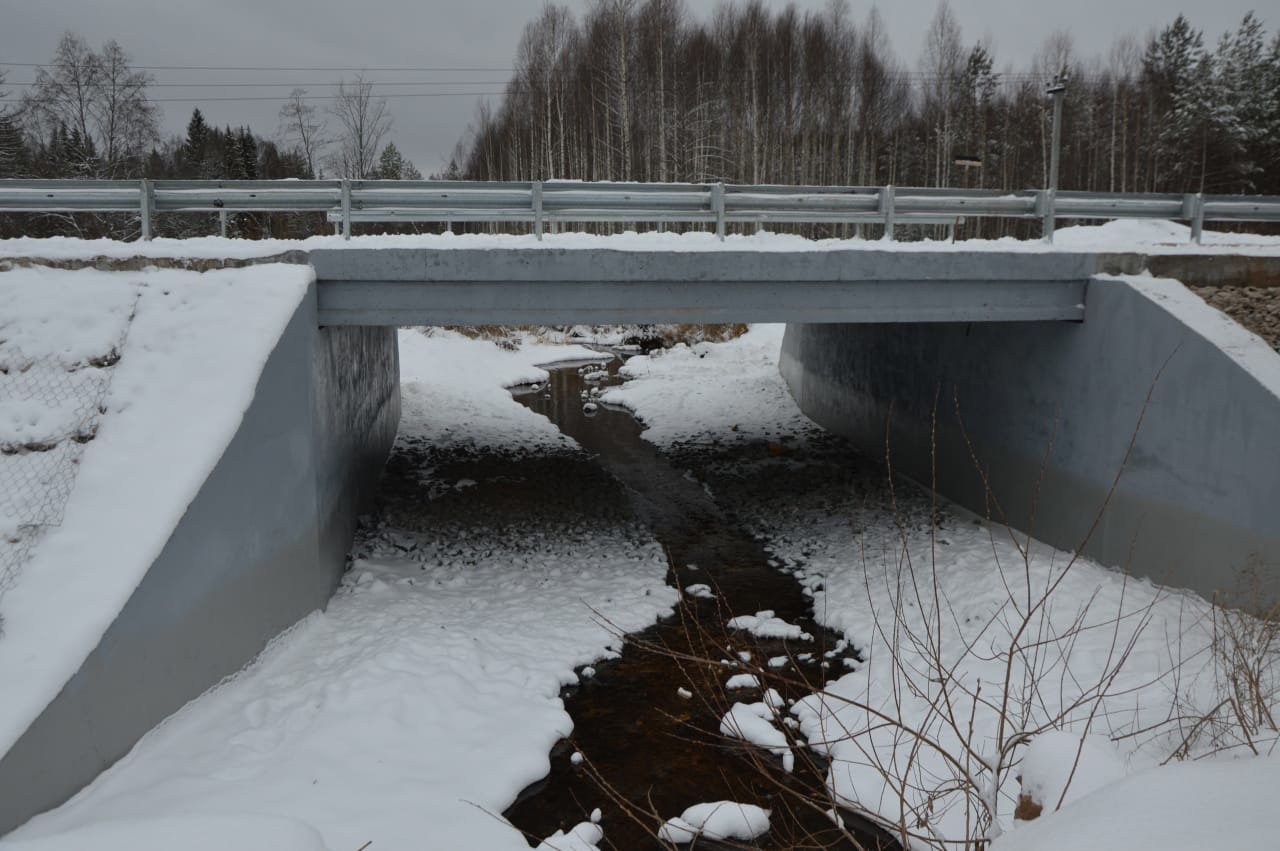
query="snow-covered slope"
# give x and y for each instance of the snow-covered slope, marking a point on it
(189, 361)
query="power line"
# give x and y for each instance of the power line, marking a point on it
(288, 83)
(307, 97)
(361, 69)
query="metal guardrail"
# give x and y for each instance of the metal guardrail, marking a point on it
(551, 204)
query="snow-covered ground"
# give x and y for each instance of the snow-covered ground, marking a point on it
(1109, 656)
(191, 347)
(1151, 236)
(412, 711)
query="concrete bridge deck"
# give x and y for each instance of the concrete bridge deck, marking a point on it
(567, 286)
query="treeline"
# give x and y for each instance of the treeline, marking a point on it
(88, 115)
(641, 90)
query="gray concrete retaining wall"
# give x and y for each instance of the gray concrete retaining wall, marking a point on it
(263, 544)
(1199, 497)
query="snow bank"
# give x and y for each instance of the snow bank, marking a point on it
(452, 390)
(1158, 236)
(1162, 237)
(718, 820)
(189, 364)
(729, 391)
(1187, 806)
(1059, 766)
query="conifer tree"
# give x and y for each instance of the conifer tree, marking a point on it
(196, 148)
(391, 163)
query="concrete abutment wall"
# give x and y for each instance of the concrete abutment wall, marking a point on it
(1199, 497)
(263, 544)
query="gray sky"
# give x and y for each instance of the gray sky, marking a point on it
(473, 34)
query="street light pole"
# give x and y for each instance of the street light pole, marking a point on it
(1057, 89)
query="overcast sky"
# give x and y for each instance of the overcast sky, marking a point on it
(457, 34)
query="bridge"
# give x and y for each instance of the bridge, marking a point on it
(1020, 384)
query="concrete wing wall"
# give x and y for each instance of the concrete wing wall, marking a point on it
(1199, 497)
(263, 544)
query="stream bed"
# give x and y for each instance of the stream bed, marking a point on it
(647, 740)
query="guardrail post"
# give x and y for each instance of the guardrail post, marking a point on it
(888, 202)
(537, 209)
(1047, 201)
(346, 208)
(144, 208)
(1193, 211)
(222, 223)
(717, 204)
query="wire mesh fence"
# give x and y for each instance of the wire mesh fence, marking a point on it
(50, 410)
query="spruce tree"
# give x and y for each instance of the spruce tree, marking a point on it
(232, 162)
(390, 164)
(247, 150)
(195, 150)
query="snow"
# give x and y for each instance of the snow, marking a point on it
(189, 365)
(453, 390)
(1157, 236)
(194, 833)
(765, 625)
(1058, 766)
(1151, 236)
(427, 695)
(432, 686)
(742, 681)
(1188, 806)
(718, 820)
(584, 837)
(700, 591)
(731, 391)
(855, 579)
(754, 723)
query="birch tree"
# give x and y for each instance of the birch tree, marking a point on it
(363, 122)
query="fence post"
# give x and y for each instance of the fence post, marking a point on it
(1193, 210)
(1048, 203)
(346, 208)
(888, 203)
(144, 208)
(717, 204)
(537, 209)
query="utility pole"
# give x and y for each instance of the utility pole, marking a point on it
(1056, 90)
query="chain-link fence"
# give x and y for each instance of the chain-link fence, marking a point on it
(49, 410)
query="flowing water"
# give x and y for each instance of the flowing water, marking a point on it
(646, 742)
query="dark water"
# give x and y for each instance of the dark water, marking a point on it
(649, 752)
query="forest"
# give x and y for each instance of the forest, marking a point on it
(641, 90)
(89, 116)
(751, 93)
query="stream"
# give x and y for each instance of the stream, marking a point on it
(646, 742)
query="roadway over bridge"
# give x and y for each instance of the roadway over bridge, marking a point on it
(567, 286)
